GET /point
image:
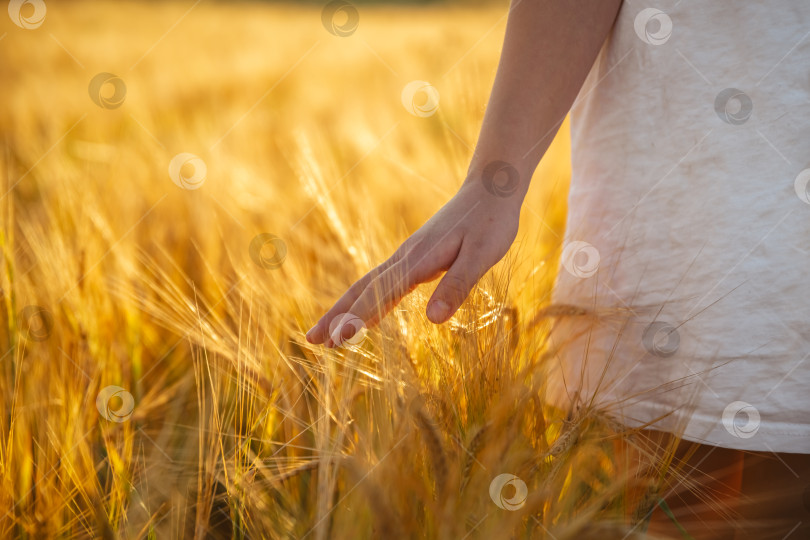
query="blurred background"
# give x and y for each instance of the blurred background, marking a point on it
(186, 187)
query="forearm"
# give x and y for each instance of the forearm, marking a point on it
(549, 48)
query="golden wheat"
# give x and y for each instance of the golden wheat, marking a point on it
(173, 394)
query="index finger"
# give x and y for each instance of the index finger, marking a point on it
(320, 332)
(385, 291)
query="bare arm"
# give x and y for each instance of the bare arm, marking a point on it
(549, 48)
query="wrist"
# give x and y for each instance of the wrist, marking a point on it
(497, 181)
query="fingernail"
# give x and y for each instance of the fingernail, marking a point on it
(438, 311)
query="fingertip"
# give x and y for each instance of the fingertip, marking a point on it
(314, 336)
(438, 311)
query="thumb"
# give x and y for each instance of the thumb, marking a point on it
(454, 288)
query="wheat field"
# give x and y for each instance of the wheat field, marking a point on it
(187, 187)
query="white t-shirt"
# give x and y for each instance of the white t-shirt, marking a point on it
(689, 224)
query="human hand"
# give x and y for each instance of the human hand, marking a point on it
(465, 238)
